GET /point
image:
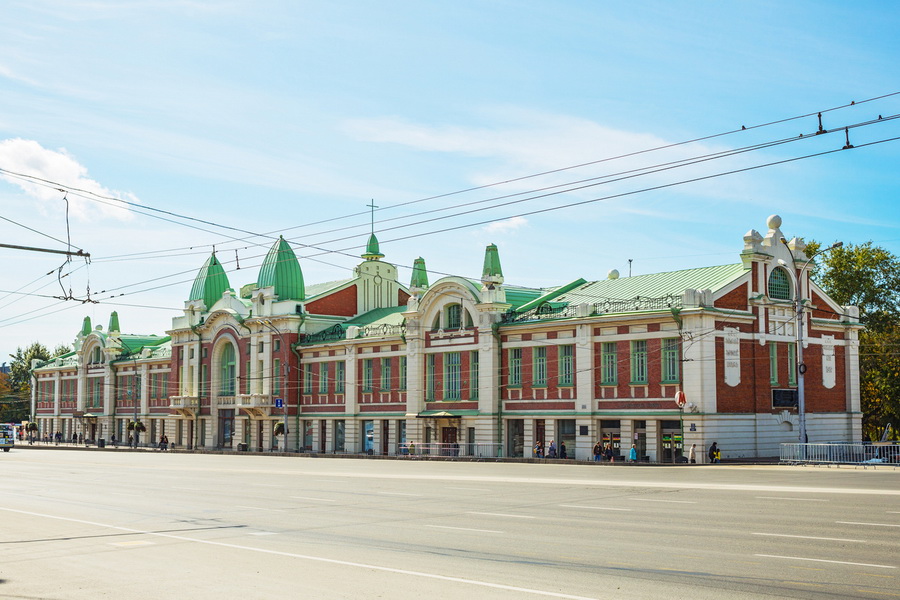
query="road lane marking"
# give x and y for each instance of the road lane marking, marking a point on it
(260, 508)
(399, 494)
(331, 561)
(798, 499)
(669, 501)
(465, 529)
(469, 489)
(876, 575)
(491, 514)
(132, 544)
(809, 537)
(822, 560)
(316, 499)
(872, 524)
(593, 507)
(893, 512)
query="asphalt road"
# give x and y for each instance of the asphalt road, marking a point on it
(104, 524)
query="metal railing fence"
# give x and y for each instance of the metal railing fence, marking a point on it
(841, 453)
(478, 450)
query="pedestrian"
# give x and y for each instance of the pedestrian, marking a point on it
(537, 452)
(562, 450)
(692, 454)
(162, 444)
(609, 453)
(713, 453)
(130, 440)
(632, 455)
(113, 440)
(551, 451)
(598, 450)
(74, 438)
(80, 438)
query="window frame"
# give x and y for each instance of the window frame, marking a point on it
(639, 370)
(670, 354)
(566, 358)
(539, 366)
(515, 367)
(609, 363)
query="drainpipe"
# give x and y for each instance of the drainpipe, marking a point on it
(199, 391)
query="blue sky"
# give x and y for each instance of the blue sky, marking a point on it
(290, 117)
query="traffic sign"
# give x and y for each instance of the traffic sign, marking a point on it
(680, 399)
(279, 402)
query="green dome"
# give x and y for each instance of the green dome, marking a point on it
(281, 270)
(373, 252)
(210, 283)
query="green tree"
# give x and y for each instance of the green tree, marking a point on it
(61, 349)
(19, 380)
(868, 276)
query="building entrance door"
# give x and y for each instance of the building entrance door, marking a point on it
(670, 433)
(449, 447)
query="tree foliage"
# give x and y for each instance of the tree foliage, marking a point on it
(868, 276)
(18, 383)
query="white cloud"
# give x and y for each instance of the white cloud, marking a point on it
(507, 225)
(28, 157)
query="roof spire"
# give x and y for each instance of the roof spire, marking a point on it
(419, 280)
(113, 322)
(86, 326)
(373, 252)
(492, 274)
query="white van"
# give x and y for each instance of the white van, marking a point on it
(7, 436)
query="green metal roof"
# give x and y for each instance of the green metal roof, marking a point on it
(135, 342)
(113, 322)
(281, 270)
(372, 249)
(653, 285)
(517, 296)
(379, 316)
(86, 326)
(491, 263)
(419, 277)
(210, 283)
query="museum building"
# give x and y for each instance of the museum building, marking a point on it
(471, 367)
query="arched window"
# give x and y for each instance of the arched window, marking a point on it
(95, 356)
(779, 285)
(227, 371)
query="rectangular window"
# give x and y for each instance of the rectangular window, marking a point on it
(385, 385)
(539, 360)
(452, 375)
(429, 377)
(260, 348)
(609, 359)
(515, 367)
(454, 312)
(367, 375)
(276, 377)
(473, 375)
(249, 379)
(401, 376)
(340, 378)
(204, 380)
(308, 378)
(639, 361)
(792, 364)
(671, 372)
(323, 378)
(277, 344)
(566, 365)
(773, 363)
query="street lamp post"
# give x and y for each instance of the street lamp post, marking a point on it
(285, 377)
(798, 333)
